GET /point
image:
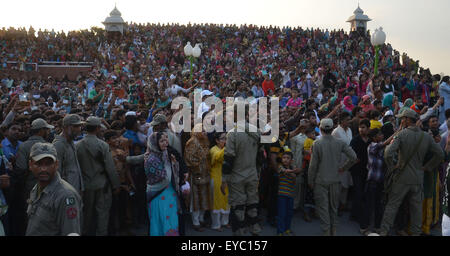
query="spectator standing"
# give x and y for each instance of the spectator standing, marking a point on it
(199, 164)
(359, 144)
(344, 133)
(444, 92)
(221, 210)
(285, 200)
(373, 193)
(268, 85)
(161, 169)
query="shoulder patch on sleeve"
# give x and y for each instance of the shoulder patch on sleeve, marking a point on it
(72, 213)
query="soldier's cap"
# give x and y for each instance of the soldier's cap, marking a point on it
(93, 121)
(408, 113)
(326, 124)
(158, 119)
(39, 124)
(42, 150)
(72, 119)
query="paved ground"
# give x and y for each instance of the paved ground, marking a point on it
(299, 227)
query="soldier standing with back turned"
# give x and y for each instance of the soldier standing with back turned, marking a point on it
(323, 175)
(99, 178)
(241, 176)
(411, 144)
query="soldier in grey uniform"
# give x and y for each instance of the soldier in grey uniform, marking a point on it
(54, 205)
(411, 144)
(323, 175)
(99, 179)
(24, 180)
(68, 166)
(241, 176)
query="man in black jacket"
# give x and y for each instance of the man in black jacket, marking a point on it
(359, 144)
(329, 80)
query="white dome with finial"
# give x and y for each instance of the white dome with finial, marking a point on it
(114, 22)
(115, 12)
(114, 17)
(358, 20)
(358, 16)
(358, 10)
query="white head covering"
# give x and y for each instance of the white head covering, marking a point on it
(389, 113)
(206, 92)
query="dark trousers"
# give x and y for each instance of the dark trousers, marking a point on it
(7, 218)
(272, 200)
(182, 216)
(402, 217)
(285, 212)
(139, 199)
(359, 184)
(19, 194)
(119, 213)
(19, 218)
(373, 204)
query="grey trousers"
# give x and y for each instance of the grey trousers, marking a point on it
(395, 198)
(97, 204)
(298, 193)
(327, 200)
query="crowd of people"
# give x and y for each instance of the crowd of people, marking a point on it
(97, 155)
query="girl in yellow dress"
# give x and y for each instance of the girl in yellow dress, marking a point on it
(221, 209)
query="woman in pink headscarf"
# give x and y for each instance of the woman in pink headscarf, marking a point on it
(348, 105)
(366, 105)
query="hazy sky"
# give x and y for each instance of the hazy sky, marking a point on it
(418, 27)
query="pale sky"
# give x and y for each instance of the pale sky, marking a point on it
(418, 27)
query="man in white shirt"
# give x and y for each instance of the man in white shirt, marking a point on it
(344, 133)
(203, 107)
(296, 144)
(443, 128)
(173, 89)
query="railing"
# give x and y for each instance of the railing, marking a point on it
(35, 66)
(65, 63)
